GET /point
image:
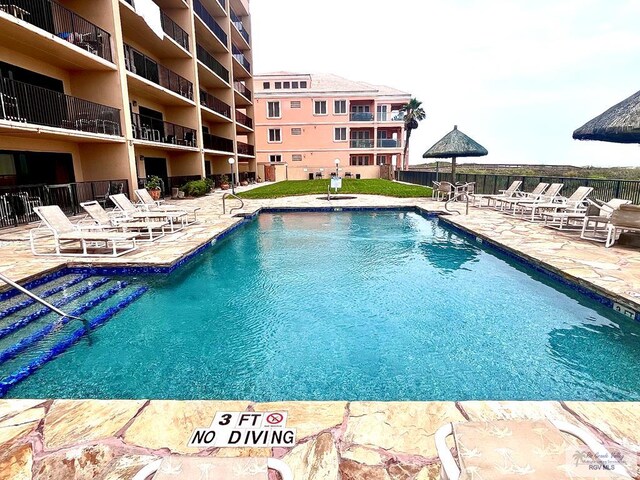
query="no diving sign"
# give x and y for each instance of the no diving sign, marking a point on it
(245, 429)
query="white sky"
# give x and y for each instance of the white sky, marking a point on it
(518, 76)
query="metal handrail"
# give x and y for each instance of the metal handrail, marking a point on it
(43, 302)
(224, 207)
(453, 199)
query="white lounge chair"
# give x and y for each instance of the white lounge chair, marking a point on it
(131, 212)
(508, 193)
(152, 230)
(594, 227)
(576, 203)
(551, 194)
(624, 219)
(151, 205)
(55, 223)
(535, 194)
(522, 449)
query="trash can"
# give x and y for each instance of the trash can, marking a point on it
(357, 176)
(311, 176)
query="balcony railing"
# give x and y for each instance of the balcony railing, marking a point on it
(223, 4)
(23, 102)
(214, 142)
(393, 116)
(215, 66)
(361, 143)
(242, 89)
(237, 22)
(246, 149)
(215, 104)
(210, 22)
(239, 56)
(242, 119)
(388, 143)
(361, 117)
(176, 32)
(159, 131)
(61, 22)
(138, 63)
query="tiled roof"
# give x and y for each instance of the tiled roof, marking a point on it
(327, 82)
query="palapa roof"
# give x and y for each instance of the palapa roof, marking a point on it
(455, 144)
(620, 124)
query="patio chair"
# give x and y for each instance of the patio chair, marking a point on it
(508, 193)
(523, 449)
(624, 219)
(152, 229)
(444, 191)
(591, 224)
(238, 468)
(56, 223)
(576, 203)
(535, 194)
(151, 205)
(131, 212)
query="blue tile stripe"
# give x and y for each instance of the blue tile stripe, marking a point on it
(67, 342)
(26, 342)
(47, 293)
(45, 310)
(33, 283)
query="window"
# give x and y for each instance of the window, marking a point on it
(303, 84)
(295, 104)
(296, 131)
(275, 158)
(296, 158)
(294, 84)
(266, 85)
(320, 107)
(273, 109)
(340, 134)
(359, 160)
(274, 135)
(381, 159)
(286, 85)
(340, 107)
(278, 85)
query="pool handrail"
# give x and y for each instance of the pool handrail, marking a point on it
(224, 206)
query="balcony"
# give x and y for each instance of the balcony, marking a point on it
(31, 104)
(158, 131)
(246, 149)
(361, 117)
(214, 65)
(394, 116)
(213, 142)
(389, 143)
(237, 22)
(240, 58)
(242, 89)
(361, 143)
(65, 24)
(210, 22)
(215, 104)
(138, 63)
(242, 119)
(174, 31)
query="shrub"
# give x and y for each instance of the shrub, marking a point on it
(196, 188)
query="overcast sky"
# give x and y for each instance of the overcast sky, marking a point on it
(518, 76)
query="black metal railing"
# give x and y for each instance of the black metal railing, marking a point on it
(17, 202)
(138, 63)
(215, 104)
(243, 119)
(214, 142)
(156, 130)
(239, 56)
(210, 22)
(603, 189)
(246, 149)
(179, 181)
(22, 102)
(242, 89)
(388, 143)
(176, 32)
(61, 22)
(214, 65)
(237, 22)
(361, 116)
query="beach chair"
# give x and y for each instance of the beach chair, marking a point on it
(151, 205)
(56, 223)
(523, 449)
(594, 226)
(211, 468)
(508, 193)
(152, 230)
(535, 194)
(576, 203)
(624, 219)
(131, 212)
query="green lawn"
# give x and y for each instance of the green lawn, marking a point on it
(349, 186)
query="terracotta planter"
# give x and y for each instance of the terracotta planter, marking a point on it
(224, 186)
(244, 183)
(155, 193)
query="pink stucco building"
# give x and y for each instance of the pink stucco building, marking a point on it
(304, 122)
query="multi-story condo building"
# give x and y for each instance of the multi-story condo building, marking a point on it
(304, 122)
(116, 90)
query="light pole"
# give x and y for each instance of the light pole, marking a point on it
(337, 162)
(231, 162)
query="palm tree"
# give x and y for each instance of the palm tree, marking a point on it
(413, 113)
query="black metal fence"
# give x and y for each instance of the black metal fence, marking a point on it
(246, 149)
(209, 60)
(156, 130)
(61, 22)
(603, 189)
(214, 142)
(174, 30)
(242, 119)
(23, 102)
(17, 202)
(209, 21)
(242, 89)
(215, 104)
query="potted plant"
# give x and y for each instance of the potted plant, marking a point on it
(224, 183)
(153, 185)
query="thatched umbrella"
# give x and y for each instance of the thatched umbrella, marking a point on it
(619, 124)
(455, 144)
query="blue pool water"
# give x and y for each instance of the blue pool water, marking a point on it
(351, 305)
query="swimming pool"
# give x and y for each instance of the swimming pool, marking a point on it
(367, 305)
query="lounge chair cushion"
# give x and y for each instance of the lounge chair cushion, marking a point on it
(626, 216)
